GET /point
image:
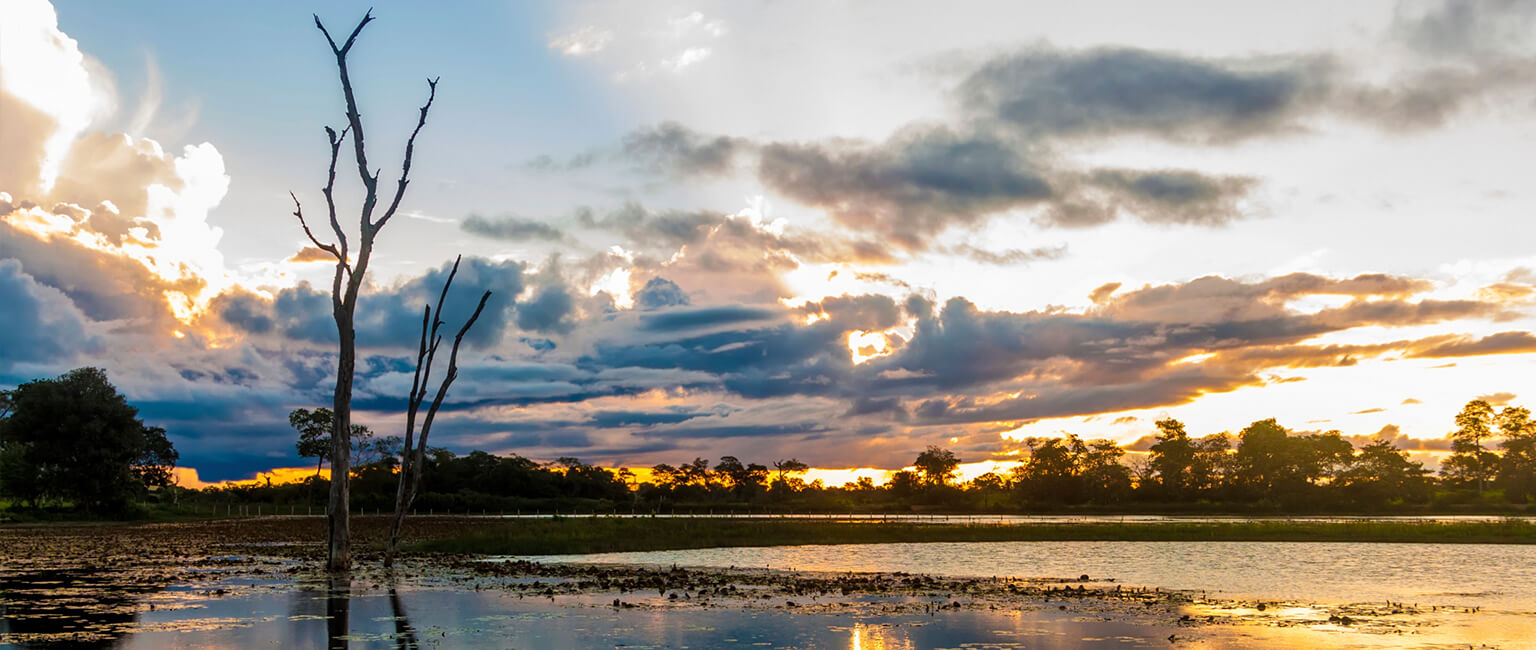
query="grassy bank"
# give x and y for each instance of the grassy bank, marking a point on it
(601, 535)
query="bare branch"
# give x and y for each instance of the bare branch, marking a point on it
(298, 211)
(417, 391)
(330, 184)
(453, 370)
(355, 122)
(367, 18)
(410, 148)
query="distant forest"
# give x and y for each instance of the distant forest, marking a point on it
(1262, 467)
(74, 441)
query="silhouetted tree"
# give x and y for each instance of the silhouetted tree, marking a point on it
(1517, 466)
(784, 482)
(314, 429)
(937, 465)
(1070, 470)
(1172, 457)
(903, 484)
(1381, 474)
(1050, 475)
(76, 438)
(746, 480)
(347, 281)
(1105, 479)
(1469, 463)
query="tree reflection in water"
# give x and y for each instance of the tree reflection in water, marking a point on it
(338, 606)
(405, 635)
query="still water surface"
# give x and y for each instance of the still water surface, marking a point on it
(1490, 576)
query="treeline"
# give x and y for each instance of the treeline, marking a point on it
(74, 442)
(1262, 467)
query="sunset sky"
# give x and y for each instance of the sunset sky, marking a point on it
(835, 231)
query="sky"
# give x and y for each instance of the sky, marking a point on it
(841, 232)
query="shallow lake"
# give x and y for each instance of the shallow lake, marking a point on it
(1490, 576)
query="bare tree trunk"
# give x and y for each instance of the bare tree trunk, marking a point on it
(347, 283)
(338, 509)
(414, 458)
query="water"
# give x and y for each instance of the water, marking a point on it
(66, 610)
(95, 596)
(1018, 519)
(1490, 576)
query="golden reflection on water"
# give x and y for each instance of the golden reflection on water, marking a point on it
(876, 637)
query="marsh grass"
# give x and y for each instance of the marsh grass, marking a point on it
(571, 535)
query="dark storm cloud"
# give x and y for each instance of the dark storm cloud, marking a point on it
(41, 323)
(511, 228)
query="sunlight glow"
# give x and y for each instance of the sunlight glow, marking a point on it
(1195, 358)
(863, 346)
(616, 284)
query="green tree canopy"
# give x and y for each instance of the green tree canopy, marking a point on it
(76, 439)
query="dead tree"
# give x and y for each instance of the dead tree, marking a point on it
(413, 456)
(348, 281)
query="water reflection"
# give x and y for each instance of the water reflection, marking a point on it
(338, 607)
(405, 635)
(1489, 576)
(69, 608)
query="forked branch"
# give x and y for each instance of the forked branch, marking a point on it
(298, 211)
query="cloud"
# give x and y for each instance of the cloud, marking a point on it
(1174, 196)
(583, 41)
(511, 228)
(659, 293)
(1501, 343)
(311, 254)
(42, 324)
(671, 148)
(919, 183)
(387, 317)
(1464, 27)
(1498, 399)
(1008, 257)
(548, 311)
(116, 195)
(1046, 93)
(47, 101)
(104, 286)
